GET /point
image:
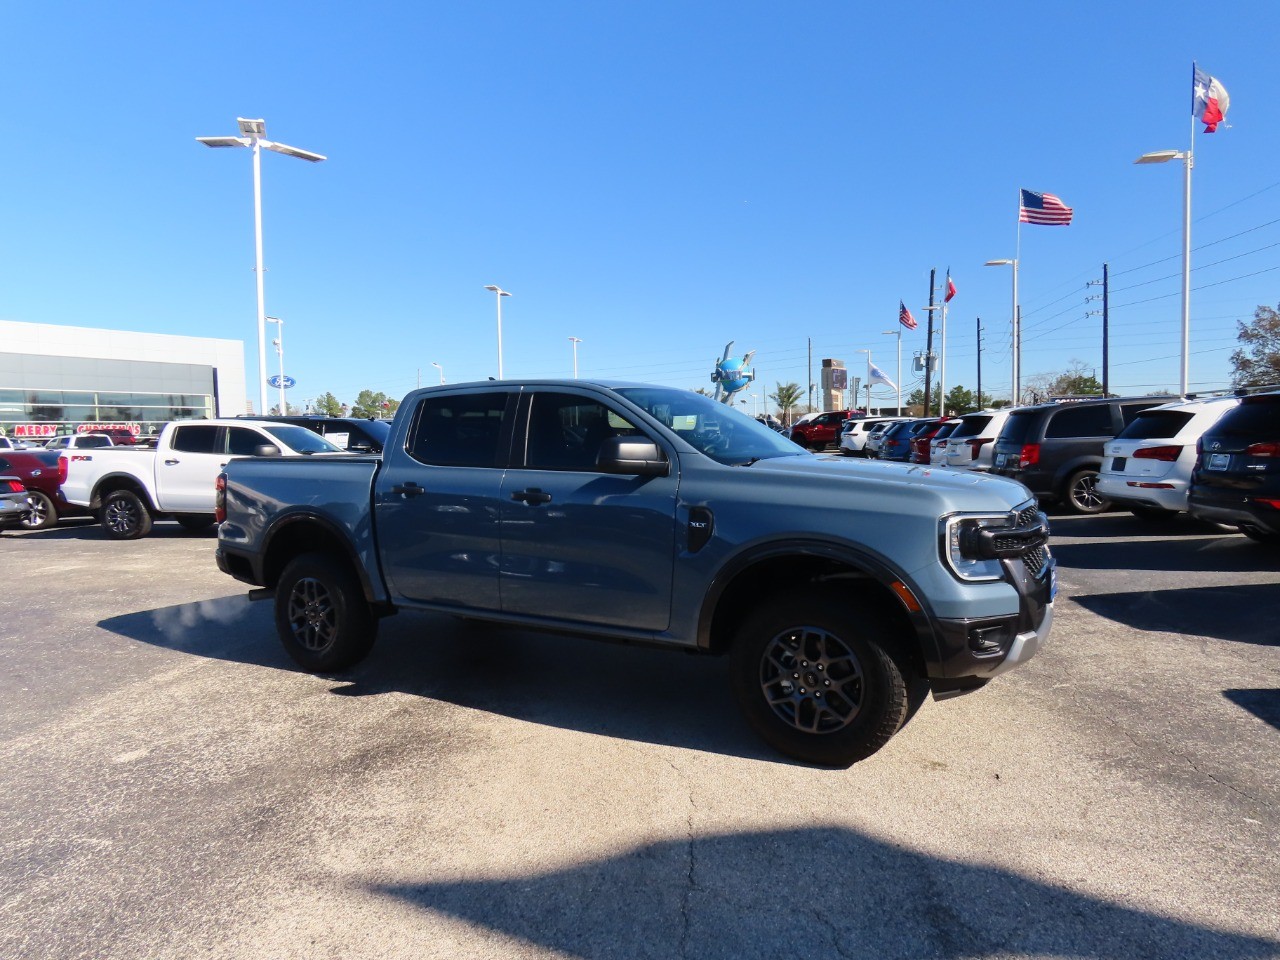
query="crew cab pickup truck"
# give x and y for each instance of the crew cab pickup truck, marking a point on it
(843, 592)
(131, 487)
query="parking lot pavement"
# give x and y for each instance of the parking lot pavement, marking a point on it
(172, 787)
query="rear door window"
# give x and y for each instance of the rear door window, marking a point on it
(195, 438)
(1080, 422)
(463, 430)
(1154, 424)
(1257, 420)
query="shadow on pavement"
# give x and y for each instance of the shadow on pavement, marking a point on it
(634, 693)
(86, 528)
(818, 892)
(1263, 704)
(1228, 554)
(1241, 613)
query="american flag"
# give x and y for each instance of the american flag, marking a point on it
(904, 316)
(1043, 208)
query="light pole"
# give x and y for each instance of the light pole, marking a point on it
(896, 333)
(1016, 328)
(1188, 161)
(253, 135)
(279, 345)
(855, 399)
(441, 369)
(575, 341)
(499, 293)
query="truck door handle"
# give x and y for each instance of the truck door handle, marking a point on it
(408, 488)
(170, 463)
(532, 496)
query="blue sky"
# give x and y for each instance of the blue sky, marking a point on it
(657, 179)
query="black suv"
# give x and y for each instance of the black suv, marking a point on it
(1237, 474)
(1055, 448)
(353, 434)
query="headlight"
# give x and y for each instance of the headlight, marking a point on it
(962, 547)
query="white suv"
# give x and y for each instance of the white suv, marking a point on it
(1147, 468)
(971, 444)
(853, 436)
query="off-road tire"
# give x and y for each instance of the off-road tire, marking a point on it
(830, 650)
(321, 614)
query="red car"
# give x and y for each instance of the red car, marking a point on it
(38, 471)
(822, 431)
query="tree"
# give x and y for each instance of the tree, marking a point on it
(328, 405)
(1257, 362)
(1073, 382)
(787, 397)
(370, 404)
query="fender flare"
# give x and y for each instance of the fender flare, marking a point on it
(876, 566)
(374, 593)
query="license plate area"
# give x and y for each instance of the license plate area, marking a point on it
(1117, 464)
(1218, 461)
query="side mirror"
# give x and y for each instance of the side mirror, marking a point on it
(266, 450)
(637, 456)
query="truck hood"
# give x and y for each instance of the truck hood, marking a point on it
(969, 489)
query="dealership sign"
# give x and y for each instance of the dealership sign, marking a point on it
(35, 429)
(133, 428)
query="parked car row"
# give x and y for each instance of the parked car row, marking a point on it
(1218, 457)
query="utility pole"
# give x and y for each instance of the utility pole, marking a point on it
(1106, 384)
(978, 398)
(928, 342)
(810, 410)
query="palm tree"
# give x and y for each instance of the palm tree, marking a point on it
(787, 397)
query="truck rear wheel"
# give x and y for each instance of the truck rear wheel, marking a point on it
(818, 682)
(125, 516)
(322, 616)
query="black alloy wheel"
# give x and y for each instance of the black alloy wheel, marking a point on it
(820, 682)
(125, 516)
(321, 613)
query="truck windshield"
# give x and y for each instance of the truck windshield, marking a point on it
(711, 427)
(300, 439)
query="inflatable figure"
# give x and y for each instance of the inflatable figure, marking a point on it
(730, 376)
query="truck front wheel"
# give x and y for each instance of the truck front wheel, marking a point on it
(322, 617)
(817, 681)
(125, 516)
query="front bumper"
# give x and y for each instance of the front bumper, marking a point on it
(975, 649)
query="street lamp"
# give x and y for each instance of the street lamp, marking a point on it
(896, 333)
(1188, 161)
(575, 341)
(441, 369)
(499, 293)
(253, 135)
(279, 345)
(1016, 327)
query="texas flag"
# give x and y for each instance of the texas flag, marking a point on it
(1209, 100)
(951, 289)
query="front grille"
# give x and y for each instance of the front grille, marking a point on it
(1037, 559)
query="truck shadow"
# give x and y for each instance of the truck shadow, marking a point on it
(86, 528)
(832, 891)
(1262, 703)
(1240, 613)
(632, 693)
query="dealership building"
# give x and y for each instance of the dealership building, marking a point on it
(57, 379)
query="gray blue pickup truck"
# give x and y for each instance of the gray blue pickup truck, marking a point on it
(843, 592)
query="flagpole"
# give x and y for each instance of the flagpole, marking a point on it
(942, 349)
(1188, 162)
(1017, 327)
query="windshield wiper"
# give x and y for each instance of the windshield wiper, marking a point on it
(747, 463)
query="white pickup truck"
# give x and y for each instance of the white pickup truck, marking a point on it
(130, 487)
